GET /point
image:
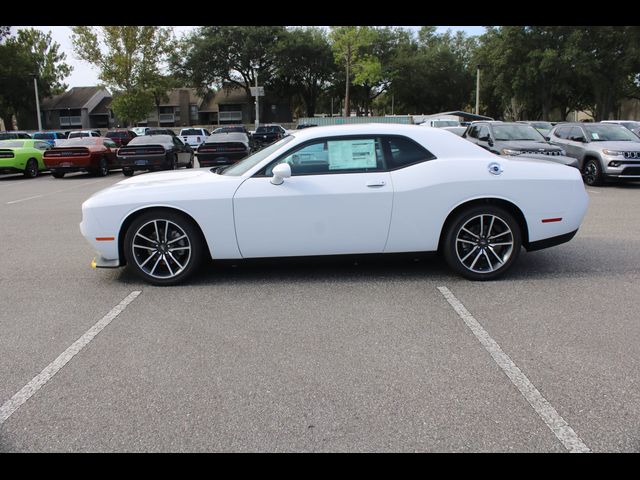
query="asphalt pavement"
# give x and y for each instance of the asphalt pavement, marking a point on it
(308, 356)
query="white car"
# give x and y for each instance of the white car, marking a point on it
(347, 189)
(193, 136)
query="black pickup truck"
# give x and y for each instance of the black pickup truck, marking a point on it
(266, 134)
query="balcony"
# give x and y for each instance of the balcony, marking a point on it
(230, 116)
(167, 118)
(71, 121)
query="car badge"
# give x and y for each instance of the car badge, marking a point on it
(495, 168)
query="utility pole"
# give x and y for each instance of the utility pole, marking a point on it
(35, 84)
(257, 105)
(478, 92)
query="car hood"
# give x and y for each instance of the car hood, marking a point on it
(166, 187)
(527, 145)
(623, 146)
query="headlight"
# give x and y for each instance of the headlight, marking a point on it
(508, 151)
(612, 153)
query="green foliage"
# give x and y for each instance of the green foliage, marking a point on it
(30, 53)
(129, 59)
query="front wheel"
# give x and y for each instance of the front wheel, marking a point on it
(103, 168)
(482, 242)
(592, 172)
(127, 172)
(190, 164)
(163, 247)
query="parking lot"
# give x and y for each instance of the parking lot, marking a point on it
(383, 354)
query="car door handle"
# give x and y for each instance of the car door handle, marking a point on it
(381, 183)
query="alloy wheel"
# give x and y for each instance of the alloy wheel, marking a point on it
(484, 243)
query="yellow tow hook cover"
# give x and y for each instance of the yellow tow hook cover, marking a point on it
(93, 263)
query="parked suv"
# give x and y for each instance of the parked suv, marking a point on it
(603, 150)
(83, 133)
(14, 135)
(510, 138)
(632, 125)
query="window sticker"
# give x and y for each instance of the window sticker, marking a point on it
(352, 154)
(595, 136)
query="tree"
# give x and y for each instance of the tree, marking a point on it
(304, 65)
(214, 56)
(348, 43)
(130, 60)
(30, 53)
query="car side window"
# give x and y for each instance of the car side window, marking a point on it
(402, 152)
(576, 134)
(336, 155)
(473, 132)
(483, 132)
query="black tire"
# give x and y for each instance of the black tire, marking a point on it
(592, 172)
(58, 174)
(491, 260)
(127, 172)
(103, 168)
(190, 164)
(173, 164)
(167, 269)
(31, 169)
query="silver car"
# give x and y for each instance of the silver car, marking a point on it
(604, 151)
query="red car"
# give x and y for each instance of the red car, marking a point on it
(96, 155)
(121, 137)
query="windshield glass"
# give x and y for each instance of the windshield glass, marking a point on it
(509, 132)
(542, 125)
(272, 129)
(11, 144)
(44, 136)
(251, 161)
(612, 133)
(446, 123)
(190, 131)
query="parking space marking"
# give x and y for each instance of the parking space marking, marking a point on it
(52, 193)
(543, 408)
(592, 191)
(15, 402)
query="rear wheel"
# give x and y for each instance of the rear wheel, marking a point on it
(163, 247)
(103, 168)
(482, 242)
(592, 172)
(31, 169)
(58, 174)
(190, 164)
(127, 172)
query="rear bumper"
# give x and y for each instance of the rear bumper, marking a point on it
(212, 159)
(147, 163)
(550, 242)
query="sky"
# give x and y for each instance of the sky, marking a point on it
(84, 75)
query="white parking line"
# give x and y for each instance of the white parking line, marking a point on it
(15, 402)
(592, 191)
(52, 193)
(551, 417)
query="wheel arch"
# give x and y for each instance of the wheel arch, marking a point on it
(500, 202)
(132, 216)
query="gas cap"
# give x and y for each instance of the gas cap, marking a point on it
(495, 168)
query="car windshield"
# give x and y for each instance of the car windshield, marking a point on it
(79, 134)
(11, 144)
(509, 132)
(609, 133)
(44, 136)
(445, 123)
(267, 130)
(76, 141)
(251, 161)
(191, 131)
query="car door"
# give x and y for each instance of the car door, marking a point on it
(337, 201)
(574, 144)
(184, 155)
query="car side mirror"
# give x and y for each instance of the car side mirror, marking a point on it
(548, 139)
(280, 172)
(489, 141)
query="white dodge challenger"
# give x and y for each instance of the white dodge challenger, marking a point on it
(338, 190)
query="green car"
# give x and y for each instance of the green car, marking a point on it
(22, 156)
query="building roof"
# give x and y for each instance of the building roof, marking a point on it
(75, 98)
(230, 94)
(103, 107)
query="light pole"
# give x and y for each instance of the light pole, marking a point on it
(35, 85)
(478, 90)
(257, 105)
